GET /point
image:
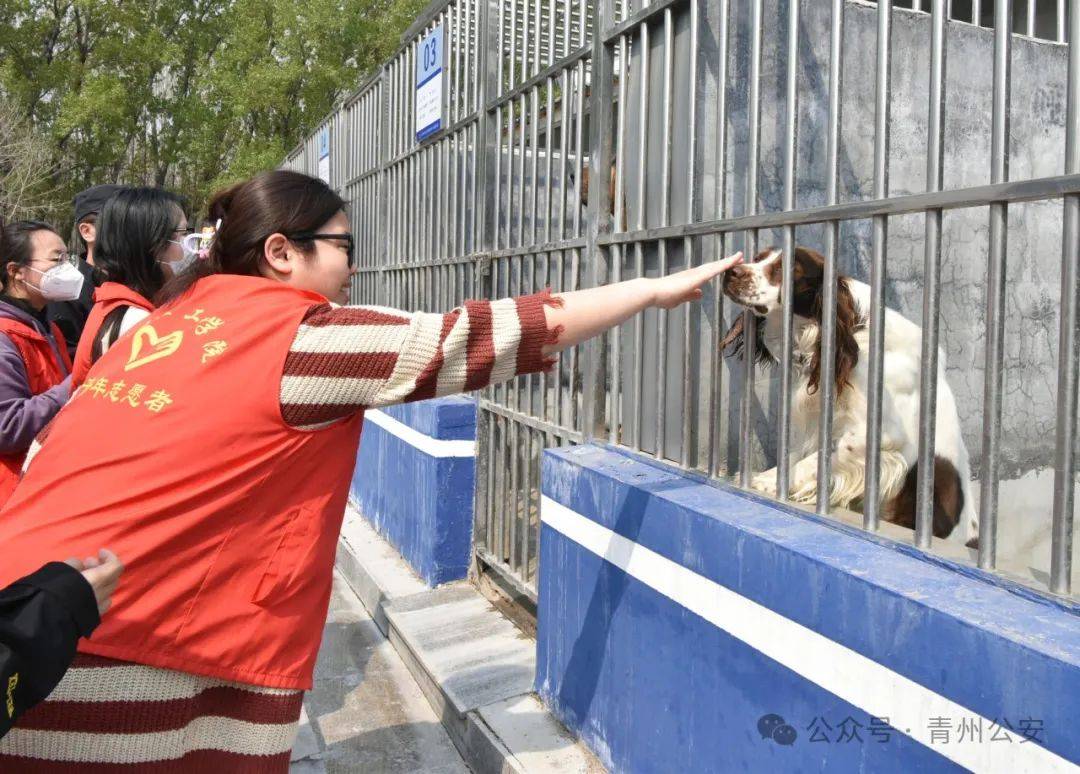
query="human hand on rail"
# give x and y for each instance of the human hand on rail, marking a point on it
(102, 573)
(683, 286)
(582, 314)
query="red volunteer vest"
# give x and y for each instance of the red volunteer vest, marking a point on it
(43, 372)
(174, 455)
(107, 298)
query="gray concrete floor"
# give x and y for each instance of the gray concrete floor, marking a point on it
(366, 712)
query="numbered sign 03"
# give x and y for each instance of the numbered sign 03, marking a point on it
(429, 85)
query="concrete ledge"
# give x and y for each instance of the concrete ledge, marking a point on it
(413, 482)
(475, 667)
(682, 624)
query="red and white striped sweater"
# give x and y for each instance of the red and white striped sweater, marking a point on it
(348, 358)
(345, 359)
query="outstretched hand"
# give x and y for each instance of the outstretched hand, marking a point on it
(582, 314)
(683, 286)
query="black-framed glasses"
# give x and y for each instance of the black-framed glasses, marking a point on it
(184, 231)
(349, 248)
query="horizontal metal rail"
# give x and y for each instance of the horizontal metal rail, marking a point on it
(961, 198)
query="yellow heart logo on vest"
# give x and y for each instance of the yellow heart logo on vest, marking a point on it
(160, 346)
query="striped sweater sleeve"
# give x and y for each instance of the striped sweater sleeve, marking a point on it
(348, 358)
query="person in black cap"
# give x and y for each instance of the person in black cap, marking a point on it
(70, 316)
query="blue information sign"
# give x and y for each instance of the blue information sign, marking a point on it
(429, 84)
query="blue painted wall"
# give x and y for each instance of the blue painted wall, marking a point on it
(653, 687)
(421, 503)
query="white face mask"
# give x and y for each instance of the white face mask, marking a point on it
(190, 245)
(62, 282)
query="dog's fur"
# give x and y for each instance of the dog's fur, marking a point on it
(757, 287)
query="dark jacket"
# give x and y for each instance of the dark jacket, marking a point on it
(23, 414)
(42, 616)
(70, 316)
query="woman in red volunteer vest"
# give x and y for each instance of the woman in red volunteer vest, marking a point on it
(213, 448)
(34, 364)
(140, 238)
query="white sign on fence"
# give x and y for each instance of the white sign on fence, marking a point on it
(324, 154)
(429, 84)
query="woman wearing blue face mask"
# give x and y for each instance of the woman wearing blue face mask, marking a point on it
(35, 379)
(140, 245)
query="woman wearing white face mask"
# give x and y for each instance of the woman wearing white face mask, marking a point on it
(140, 245)
(35, 379)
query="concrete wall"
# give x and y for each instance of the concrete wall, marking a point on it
(414, 483)
(685, 627)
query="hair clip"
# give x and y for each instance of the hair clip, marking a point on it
(199, 243)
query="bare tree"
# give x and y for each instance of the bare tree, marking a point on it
(26, 163)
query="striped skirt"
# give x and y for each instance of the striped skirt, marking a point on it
(116, 716)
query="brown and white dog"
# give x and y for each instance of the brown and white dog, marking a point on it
(757, 287)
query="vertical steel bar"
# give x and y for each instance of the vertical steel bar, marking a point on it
(872, 497)
(995, 290)
(1031, 18)
(749, 320)
(497, 210)
(530, 454)
(615, 434)
(567, 8)
(665, 219)
(715, 404)
(1061, 22)
(691, 418)
(928, 377)
(472, 60)
(537, 34)
(513, 46)
(549, 150)
(453, 61)
(1061, 547)
(549, 185)
(976, 12)
(522, 121)
(535, 141)
(579, 140)
(791, 152)
(639, 250)
(446, 207)
(524, 40)
(827, 383)
(564, 144)
(597, 257)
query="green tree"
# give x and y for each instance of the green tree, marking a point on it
(188, 94)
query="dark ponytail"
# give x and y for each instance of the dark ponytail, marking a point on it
(17, 245)
(277, 202)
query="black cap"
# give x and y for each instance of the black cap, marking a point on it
(91, 200)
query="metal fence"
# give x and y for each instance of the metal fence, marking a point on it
(707, 128)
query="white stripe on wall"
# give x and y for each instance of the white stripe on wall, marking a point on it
(856, 679)
(434, 447)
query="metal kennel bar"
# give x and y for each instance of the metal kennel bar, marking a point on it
(593, 142)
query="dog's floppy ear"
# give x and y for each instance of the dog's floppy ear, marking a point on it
(847, 348)
(734, 342)
(809, 264)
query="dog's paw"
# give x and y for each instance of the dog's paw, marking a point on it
(765, 482)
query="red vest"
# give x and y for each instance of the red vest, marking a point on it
(43, 372)
(174, 454)
(107, 298)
